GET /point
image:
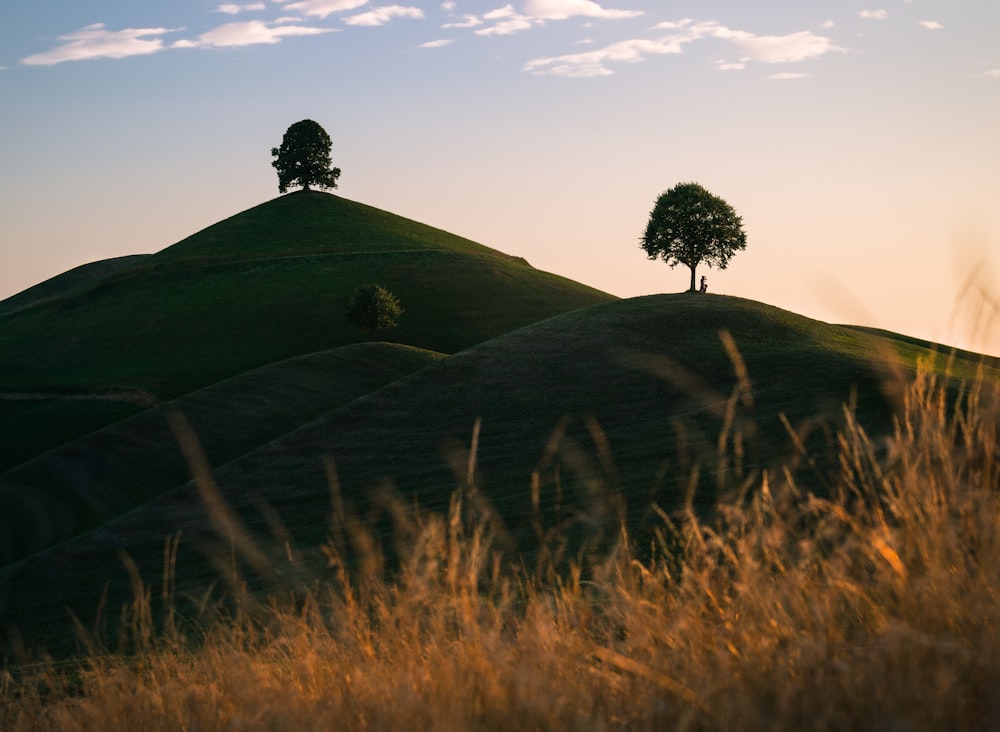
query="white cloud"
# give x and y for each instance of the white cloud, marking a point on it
(448, 5)
(563, 9)
(874, 14)
(931, 24)
(510, 21)
(788, 48)
(993, 73)
(594, 63)
(437, 44)
(248, 33)
(234, 9)
(787, 75)
(96, 41)
(323, 8)
(827, 24)
(382, 15)
(723, 65)
(468, 21)
(777, 49)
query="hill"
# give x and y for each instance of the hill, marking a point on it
(93, 479)
(262, 286)
(59, 285)
(603, 409)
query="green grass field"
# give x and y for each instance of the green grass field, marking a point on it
(651, 511)
(266, 285)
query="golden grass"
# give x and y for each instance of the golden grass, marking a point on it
(872, 608)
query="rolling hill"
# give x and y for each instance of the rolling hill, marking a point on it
(605, 409)
(263, 286)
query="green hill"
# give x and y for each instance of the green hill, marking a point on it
(262, 286)
(59, 285)
(93, 479)
(607, 407)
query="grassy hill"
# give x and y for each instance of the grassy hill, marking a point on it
(604, 408)
(262, 286)
(63, 283)
(93, 479)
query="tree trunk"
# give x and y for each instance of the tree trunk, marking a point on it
(693, 288)
(372, 336)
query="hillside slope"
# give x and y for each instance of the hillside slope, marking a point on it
(95, 478)
(604, 408)
(262, 286)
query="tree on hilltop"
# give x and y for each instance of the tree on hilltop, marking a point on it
(688, 225)
(304, 158)
(372, 307)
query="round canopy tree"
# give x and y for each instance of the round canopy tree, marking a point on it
(688, 225)
(372, 307)
(304, 158)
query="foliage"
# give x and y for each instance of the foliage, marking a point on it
(372, 307)
(873, 609)
(304, 158)
(688, 225)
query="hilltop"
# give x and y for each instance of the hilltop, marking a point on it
(262, 286)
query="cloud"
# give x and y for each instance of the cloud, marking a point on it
(827, 24)
(96, 41)
(788, 48)
(992, 73)
(437, 44)
(234, 9)
(777, 49)
(510, 21)
(874, 14)
(787, 75)
(249, 33)
(595, 63)
(468, 21)
(382, 15)
(322, 8)
(563, 9)
(931, 24)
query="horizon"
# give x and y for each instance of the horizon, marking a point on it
(857, 145)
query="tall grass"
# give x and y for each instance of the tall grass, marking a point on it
(873, 607)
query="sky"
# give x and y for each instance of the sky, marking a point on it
(857, 138)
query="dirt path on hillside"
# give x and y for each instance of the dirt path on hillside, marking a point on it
(138, 397)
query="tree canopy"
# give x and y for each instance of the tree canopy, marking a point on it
(304, 158)
(688, 225)
(373, 307)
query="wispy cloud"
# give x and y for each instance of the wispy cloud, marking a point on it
(437, 44)
(249, 33)
(992, 73)
(467, 21)
(874, 14)
(235, 9)
(96, 41)
(788, 48)
(563, 9)
(382, 15)
(931, 24)
(787, 75)
(508, 19)
(322, 8)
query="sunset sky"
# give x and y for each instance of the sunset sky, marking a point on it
(857, 138)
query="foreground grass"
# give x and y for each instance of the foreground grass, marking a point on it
(874, 608)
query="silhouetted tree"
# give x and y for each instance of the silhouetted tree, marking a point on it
(372, 307)
(304, 158)
(688, 225)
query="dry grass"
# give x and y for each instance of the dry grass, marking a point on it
(875, 608)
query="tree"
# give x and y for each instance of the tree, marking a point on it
(304, 158)
(371, 307)
(688, 225)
